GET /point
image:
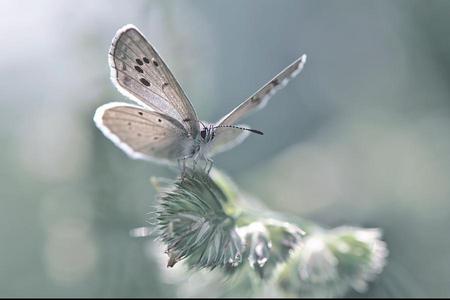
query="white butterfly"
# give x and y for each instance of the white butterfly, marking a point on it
(164, 126)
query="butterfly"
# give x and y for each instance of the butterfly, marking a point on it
(163, 126)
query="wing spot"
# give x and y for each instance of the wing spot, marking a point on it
(186, 120)
(126, 80)
(144, 82)
(275, 82)
(145, 59)
(164, 84)
(139, 62)
(155, 63)
(141, 113)
(155, 138)
(139, 134)
(139, 69)
(129, 123)
(159, 120)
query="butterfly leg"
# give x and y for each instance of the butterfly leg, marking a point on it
(182, 167)
(209, 165)
(183, 171)
(195, 157)
(194, 164)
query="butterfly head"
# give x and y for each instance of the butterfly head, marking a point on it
(207, 133)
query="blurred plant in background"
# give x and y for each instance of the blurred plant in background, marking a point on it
(208, 222)
(331, 262)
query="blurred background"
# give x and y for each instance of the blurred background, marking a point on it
(359, 138)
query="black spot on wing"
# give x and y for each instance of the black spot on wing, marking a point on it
(139, 62)
(255, 99)
(146, 60)
(144, 82)
(139, 69)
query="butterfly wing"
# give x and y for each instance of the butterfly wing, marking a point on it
(142, 133)
(227, 138)
(140, 74)
(259, 99)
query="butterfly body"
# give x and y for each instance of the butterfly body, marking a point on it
(202, 143)
(206, 141)
(164, 127)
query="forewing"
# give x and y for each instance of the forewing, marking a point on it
(259, 99)
(143, 134)
(140, 74)
(227, 138)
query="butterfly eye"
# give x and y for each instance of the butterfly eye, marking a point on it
(203, 133)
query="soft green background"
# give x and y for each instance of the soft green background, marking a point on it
(361, 137)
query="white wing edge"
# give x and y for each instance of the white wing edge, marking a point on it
(301, 62)
(266, 98)
(98, 120)
(112, 66)
(300, 66)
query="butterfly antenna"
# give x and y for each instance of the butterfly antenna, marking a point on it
(203, 124)
(242, 128)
